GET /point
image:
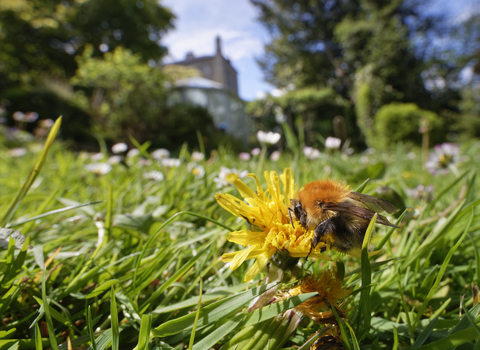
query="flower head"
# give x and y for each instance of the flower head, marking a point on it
(171, 162)
(17, 152)
(271, 229)
(269, 138)
(160, 154)
(197, 170)
(96, 157)
(99, 168)
(443, 158)
(333, 143)
(197, 156)
(222, 179)
(153, 175)
(330, 291)
(244, 156)
(255, 151)
(133, 153)
(114, 160)
(311, 153)
(275, 156)
(119, 147)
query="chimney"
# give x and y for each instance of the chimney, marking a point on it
(189, 55)
(219, 45)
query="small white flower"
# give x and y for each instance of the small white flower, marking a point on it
(19, 116)
(349, 151)
(275, 156)
(333, 143)
(99, 168)
(144, 162)
(311, 153)
(420, 192)
(133, 153)
(31, 116)
(46, 123)
(255, 151)
(96, 157)
(17, 152)
(160, 154)
(198, 171)
(442, 158)
(269, 138)
(244, 156)
(197, 156)
(114, 160)
(171, 162)
(119, 147)
(154, 175)
(221, 180)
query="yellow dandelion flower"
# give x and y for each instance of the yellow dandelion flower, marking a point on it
(271, 230)
(330, 292)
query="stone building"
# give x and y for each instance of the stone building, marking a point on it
(217, 91)
(216, 68)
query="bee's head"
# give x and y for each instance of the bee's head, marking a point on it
(296, 209)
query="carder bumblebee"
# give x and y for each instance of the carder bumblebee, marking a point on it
(330, 207)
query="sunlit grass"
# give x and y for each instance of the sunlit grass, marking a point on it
(118, 249)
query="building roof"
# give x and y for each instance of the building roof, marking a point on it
(199, 82)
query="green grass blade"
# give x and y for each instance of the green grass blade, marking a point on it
(90, 328)
(48, 316)
(175, 277)
(471, 320)
(197, 314)
(360, 188)
(390, 231)
(210, 313)
(38, 338)
(52, 212)
(441, 272)
(114, 321)
(272, 310)
(365, 298)
(220, 332)
(153, 236)
(108, 216)
(477, 259)
(452, 341)
(422, 338)
(144, 335)
(343, 330)
(33, 174)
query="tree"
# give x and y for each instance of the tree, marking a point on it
(361, 48)
(40, 39)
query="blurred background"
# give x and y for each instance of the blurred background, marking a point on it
(369, 72)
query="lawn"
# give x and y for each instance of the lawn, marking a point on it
(127, 254)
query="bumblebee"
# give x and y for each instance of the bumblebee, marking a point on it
(330, 207)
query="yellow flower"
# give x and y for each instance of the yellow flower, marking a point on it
(271, 229)
(330, 292)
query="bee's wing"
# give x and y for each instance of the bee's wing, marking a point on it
(375, 204)
(352, 209)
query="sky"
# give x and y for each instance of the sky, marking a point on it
(244, 38)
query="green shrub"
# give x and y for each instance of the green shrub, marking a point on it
(397, 122)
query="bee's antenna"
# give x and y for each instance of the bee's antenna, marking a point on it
(290, 214)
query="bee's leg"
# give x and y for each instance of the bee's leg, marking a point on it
(321, 230)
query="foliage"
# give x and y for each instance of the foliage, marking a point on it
(316, 108)
(144, 248)
(126, 95)
(397, 122)
(372, 53)
(42, 41)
